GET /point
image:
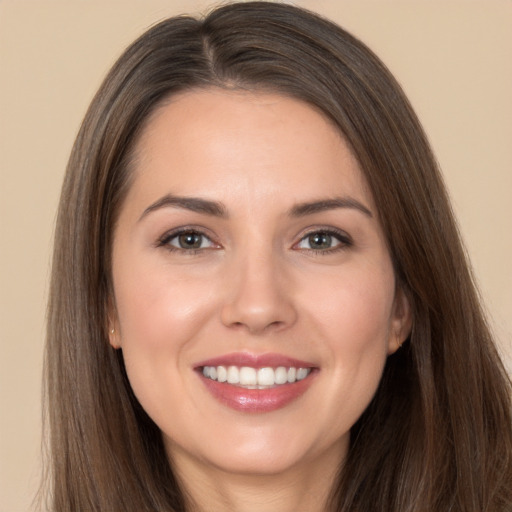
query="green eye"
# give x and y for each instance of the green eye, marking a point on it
(320, 241)
(324, 241)
(188, 241)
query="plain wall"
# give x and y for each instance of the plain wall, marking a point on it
(454, 60)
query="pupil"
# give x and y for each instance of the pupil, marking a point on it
(320, 241)
(190, 241)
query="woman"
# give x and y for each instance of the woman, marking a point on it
(259, 297)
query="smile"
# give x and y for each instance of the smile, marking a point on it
(255, 378)
(252, 383)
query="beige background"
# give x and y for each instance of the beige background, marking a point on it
(454, 60)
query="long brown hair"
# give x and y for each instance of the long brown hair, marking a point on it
(438, 433)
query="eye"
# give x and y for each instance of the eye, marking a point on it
(324, 241)
(186, 240)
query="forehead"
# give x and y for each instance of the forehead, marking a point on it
(203, 141)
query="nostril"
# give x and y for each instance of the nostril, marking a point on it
(258, 304)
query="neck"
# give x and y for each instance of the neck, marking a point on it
(299, 489)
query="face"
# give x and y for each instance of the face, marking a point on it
(255, 299)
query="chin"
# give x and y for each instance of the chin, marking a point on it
(263, 452)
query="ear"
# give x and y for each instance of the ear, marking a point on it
(114, 335)
(401, 322)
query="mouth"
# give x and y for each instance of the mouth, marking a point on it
(248, 377)
(256, 384)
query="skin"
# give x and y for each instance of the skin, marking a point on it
(255, 285)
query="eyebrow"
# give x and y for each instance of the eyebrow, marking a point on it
(194, 204)
(309, 208)
(217, 209)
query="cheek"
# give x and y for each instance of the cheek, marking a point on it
(354, 322)
(159, 316)
(156, 307)
(354, 307)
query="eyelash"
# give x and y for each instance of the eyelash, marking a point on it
(165, 240)
(343, 239)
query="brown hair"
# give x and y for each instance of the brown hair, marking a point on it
(438, 433)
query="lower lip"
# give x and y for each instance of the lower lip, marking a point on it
(257, 400)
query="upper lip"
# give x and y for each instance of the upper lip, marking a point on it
(269, 360)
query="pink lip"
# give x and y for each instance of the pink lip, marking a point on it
(256, 400)
(255, 361)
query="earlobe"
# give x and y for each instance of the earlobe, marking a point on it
(401, 325)
(114, 338)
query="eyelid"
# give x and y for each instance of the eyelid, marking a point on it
(163, 241)
(344, 239)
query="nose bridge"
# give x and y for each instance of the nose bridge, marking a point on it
(258, 295)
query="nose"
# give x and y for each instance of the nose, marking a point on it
(258, 296)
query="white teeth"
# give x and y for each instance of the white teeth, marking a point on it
(233, 376)
(266, 377)
(222, 374)
(248, 376)
(302, 373)
(281, 375)
(252, 378)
